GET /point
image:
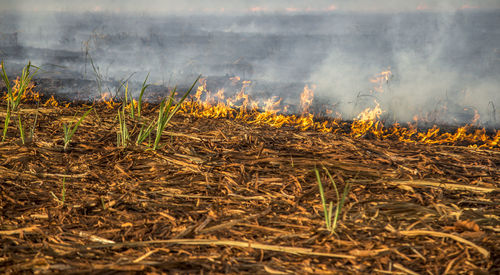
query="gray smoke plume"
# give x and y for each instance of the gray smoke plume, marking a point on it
(443, 56)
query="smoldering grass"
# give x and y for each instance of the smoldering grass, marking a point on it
(331, 218)
(70, 129)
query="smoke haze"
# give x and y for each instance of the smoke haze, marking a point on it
(221, 6)
(444, 55)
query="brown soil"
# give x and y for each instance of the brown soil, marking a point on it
(227, 197)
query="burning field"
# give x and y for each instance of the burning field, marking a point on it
(358, 138)
(220, 183)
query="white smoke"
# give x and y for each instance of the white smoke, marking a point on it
(443, 55)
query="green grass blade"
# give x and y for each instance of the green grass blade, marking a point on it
(160, 125)
(122, 84)
(132, 107)
(124, 134)
(183, 98)
(79, 122)
(167, 113)
(338, 208)
(163, 115)
(340, 204)
(25, 80)
(330, 215)
(347, 188)
(143, 89)
(98, 77)
(21, 129)
(16, 100)
(9, 92)
(6, 80)
(32, 132)
(65, 130)
(333, 183)
(322, 195)
(143, 134)
(7, 121)
(126, 93)
(119, 137)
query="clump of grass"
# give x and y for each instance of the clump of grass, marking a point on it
(167, 111)
(14, 96)
(144, 132)
(70, 129)
(330, 217)
(135, 109)
(123, 137)
(168, 108)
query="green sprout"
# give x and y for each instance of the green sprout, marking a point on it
(69, 129)
(330, 218)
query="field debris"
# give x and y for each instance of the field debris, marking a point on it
(225, 196)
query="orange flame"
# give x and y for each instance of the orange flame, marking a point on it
(380, 79)
(28, 94)
(370, 114)
(306, 99)
(107, 99)
(51, 102)
(243, 108)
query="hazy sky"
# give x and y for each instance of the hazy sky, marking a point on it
(230, 6)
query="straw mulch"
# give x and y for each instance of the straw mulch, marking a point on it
(227, 197)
